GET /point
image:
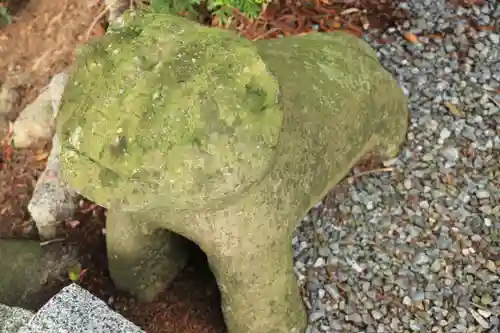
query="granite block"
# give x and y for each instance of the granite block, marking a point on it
(75, 310)
(13, 318)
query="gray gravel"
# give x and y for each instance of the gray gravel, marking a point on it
(417, 249)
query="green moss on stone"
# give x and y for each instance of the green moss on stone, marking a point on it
(134, 104)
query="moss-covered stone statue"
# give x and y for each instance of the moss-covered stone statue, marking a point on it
(180, 129)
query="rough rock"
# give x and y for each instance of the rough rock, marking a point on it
(116, 9)
(76, 310)
(52, 201)
(177, 127)
(29, 271)
(35, 125)
(8, 98)
(4, 127)
(13, 318)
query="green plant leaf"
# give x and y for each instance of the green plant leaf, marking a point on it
(74, 272)
(5, 17)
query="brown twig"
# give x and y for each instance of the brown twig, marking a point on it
(51, 241)
(368, 172)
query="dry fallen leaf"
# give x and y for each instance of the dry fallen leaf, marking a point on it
(82, 273)
(73, 223)
(487, 28)
(89, 208)
(448, 179)
(411, 37)
(454, 109)
(40, 156)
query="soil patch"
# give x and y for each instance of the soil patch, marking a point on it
(41, 41)
(288, 17)
(17, 180)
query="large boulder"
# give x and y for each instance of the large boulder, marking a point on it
(187, 132)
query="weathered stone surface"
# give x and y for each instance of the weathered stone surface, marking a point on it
(52, 201)
(8, 98)
(215, 138)
(75, 310)
(174, 126)
(135, 244)
(28, 271)
(35, 125)
(13, 318)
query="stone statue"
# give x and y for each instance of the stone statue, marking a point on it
(189, 132)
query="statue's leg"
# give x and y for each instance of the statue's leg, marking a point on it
(142, 259)
(253, 268)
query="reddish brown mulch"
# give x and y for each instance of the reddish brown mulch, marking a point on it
(17, 180)
(290, 17)
(40, 43)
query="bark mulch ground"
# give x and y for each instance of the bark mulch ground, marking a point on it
(39, 43)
